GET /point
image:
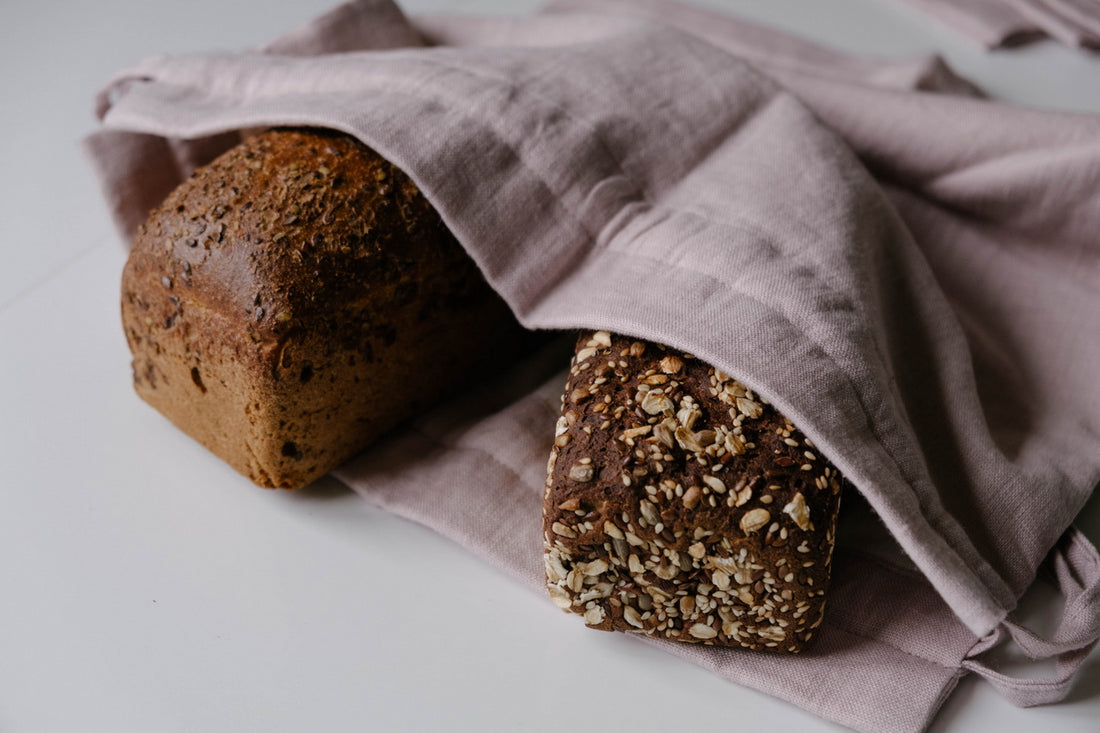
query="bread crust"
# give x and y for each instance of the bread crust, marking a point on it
(681, 505)
(295, 299)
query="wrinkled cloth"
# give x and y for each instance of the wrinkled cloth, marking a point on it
(998, 23)
(908, 271)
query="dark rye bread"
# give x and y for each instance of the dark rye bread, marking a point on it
(295, 299)
(681, 505)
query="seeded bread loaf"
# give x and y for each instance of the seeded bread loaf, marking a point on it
(681, 505)
(295, 299)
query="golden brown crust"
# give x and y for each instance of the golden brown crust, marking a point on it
(681, 505)
(295, 299)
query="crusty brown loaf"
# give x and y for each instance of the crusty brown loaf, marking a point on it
(295, 299)
(681, 505)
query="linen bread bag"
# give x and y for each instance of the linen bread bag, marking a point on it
(897, 272)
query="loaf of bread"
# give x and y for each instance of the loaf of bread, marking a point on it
(681, 505)
(298, 297)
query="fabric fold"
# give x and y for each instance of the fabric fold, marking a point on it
(1002, 23)
(1075, 568)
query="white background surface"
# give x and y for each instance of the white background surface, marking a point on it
(144, 586)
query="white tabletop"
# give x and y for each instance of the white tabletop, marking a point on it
(144, 586)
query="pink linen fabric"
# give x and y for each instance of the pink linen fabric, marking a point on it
(997, 23)
(908, 271)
